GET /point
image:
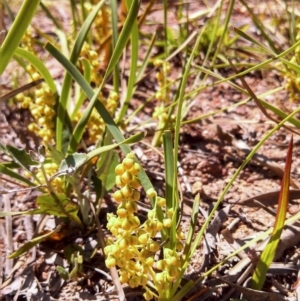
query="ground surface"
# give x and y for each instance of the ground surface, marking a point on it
(210, 152)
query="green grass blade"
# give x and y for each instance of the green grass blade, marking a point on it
(220, 199)
(261, 27)
(257, 67)
(147, 57)
(39, 65)
(177, 126)
(112, 127)
(50, 16)
(14, 175)
(9, 11)
(171, 189)
(192, 226)
(66, 88)
(268, 253)
(180, 104)
(169, 168)
(16, 32)
(87, 75)
(252, 40)
(115, 34)
(133, 67)
(124, 36)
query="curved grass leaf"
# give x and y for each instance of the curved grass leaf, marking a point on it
(268, 253)
(87, 75)
(133, 67)
(33, 242)
(50, 16)
(39, 65)
(16, 32)
(14, 175)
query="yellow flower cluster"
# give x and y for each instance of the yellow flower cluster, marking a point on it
(41, 109)
(95, 124)
(41, 105)
(93, 58)
(162, 79)
(27, 41)
(292, 77)
(134, 246)
(50, 169)
(101, 31)
(163, 96)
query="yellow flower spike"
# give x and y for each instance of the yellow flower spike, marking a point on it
(19, 97)
(159, 225)
(160, 265)
(172, 274)
(151, 193)
(118, 196)
(123, 243)
(157, 62)
(115, 249)
(133, 240)
(126, 224)
(154, 246)
(135, 196)
(120, 169)
(143, 280)
(122, 212)
(121, 262)
(131, 207)
(114, 96)
(126, 177)
(135, 169)
(25, 104)
(150, 226)
(93, 55)
(179, 246)
(135, 183)
(148, 295)
(168, 252)
(143, 239)
(151, 214)
(128, 163)
(129, 254)
(134, 282)
(107, 250)
(48, 111)
(127, 191)
(159, 96)
(124, 279)
(180, 235)
(49, 100)
(110, 262)
(159, 76)
(35, 76)
(149, 261)
(171, 261)
(135, 221)
(170, 213)
(161, 202)
(160, 277)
